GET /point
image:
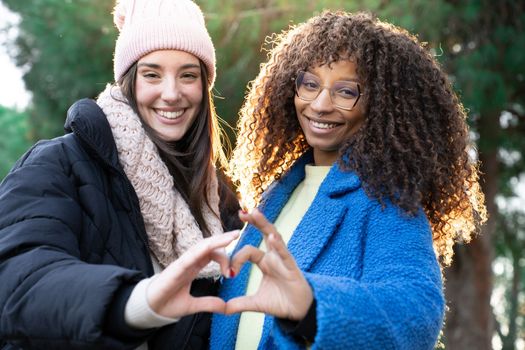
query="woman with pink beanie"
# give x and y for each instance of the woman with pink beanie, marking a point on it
(112, 236)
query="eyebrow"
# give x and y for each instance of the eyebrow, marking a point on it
(157, 66)
(355, 80)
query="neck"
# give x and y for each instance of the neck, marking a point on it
(323, 158)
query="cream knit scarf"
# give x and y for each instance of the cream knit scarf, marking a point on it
(170, 226)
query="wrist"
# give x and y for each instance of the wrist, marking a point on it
(308, 301)
(305, 329)
(139, 314)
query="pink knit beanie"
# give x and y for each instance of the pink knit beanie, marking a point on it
(150, 25)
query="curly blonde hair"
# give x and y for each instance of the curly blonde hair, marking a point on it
(413, 148)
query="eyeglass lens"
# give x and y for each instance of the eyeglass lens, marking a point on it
(344, 94)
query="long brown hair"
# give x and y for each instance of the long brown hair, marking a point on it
(413, 148)
(190, 160)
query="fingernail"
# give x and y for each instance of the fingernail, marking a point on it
(242, 211)
(243, 206)
(232, 273)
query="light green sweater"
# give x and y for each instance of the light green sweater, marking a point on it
(251, 323)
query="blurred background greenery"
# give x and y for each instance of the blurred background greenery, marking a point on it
(65, 49)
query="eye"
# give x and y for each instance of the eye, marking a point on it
(349, 92)
(190, 76)
(310, 84)
(149, 75)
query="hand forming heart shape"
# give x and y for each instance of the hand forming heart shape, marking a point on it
(283, 292)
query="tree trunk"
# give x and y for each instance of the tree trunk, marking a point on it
(468, 282)
(510, 339)
(468, 322)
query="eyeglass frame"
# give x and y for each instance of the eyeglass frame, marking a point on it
(322, 87)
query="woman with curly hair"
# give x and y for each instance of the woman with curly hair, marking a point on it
(355, 148)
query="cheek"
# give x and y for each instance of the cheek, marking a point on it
(194, 93)
(355, 122)
(362, 115)
(299, 105)
(144, 93)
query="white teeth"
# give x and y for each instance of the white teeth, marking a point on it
(170, 115)
(322, 125)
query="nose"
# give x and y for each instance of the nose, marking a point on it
(322, 103)
(170, 91)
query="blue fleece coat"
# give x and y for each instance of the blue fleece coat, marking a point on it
(373, 270)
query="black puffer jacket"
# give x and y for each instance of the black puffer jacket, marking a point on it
(73, 246)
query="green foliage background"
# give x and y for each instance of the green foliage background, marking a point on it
(66, 48)
(15, 137)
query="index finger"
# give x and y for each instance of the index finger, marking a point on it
(257, 219)
(205, 250)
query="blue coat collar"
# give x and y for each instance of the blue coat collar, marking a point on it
(337, 182)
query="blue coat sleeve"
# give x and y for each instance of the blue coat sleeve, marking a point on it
(48, 296)
(396, 303)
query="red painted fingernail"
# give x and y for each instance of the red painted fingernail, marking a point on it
(232, 273)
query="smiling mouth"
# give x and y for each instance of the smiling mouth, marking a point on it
(320, 125)
(170, 115)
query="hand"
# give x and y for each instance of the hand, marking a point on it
(169, 292)
(284, 292)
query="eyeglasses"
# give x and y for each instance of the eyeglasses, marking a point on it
(344, 94)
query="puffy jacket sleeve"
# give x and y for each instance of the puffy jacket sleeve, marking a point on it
(397, 303)
(48, 296)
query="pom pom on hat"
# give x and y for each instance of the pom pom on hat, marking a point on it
(150, 25)
(119, 14)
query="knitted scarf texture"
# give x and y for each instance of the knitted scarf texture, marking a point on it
(170, 226)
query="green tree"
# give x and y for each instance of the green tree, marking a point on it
(14, 137)
(66, 48)
(486, 41)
